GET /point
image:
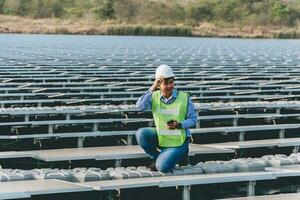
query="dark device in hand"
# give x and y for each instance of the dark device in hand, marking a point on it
(170, 122)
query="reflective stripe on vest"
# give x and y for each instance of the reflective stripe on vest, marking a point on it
(162, 113)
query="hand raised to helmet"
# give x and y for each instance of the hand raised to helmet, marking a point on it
(155, 85)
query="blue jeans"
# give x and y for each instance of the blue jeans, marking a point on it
(167, 157)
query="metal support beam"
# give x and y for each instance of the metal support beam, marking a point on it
(118, 163)
(26, 118)
(129, 139)
(278, 111)
(186, 192)
(198, 124)
(95, 127)
(198, 121)
(281, 133)
(235, 122)
(296, 149)
(242, 136)
(68, 117)
(251, 188)
(80, 141)
(150, 123)
(50, 129)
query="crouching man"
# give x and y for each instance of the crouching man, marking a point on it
(173, 113)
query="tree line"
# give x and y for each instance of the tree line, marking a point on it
(161, 12)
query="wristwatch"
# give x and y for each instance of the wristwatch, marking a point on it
(179, 126)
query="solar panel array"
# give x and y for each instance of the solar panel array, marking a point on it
(73, 92)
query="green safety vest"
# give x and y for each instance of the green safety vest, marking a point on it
(162, 113)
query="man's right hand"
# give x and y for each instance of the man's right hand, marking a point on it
(155, 85)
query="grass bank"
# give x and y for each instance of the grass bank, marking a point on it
(14, 24)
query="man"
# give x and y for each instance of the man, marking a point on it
(173, 113)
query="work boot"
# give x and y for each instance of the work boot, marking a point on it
(185, 159)
(151, 165)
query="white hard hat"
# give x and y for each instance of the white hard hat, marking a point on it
(164, 71)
